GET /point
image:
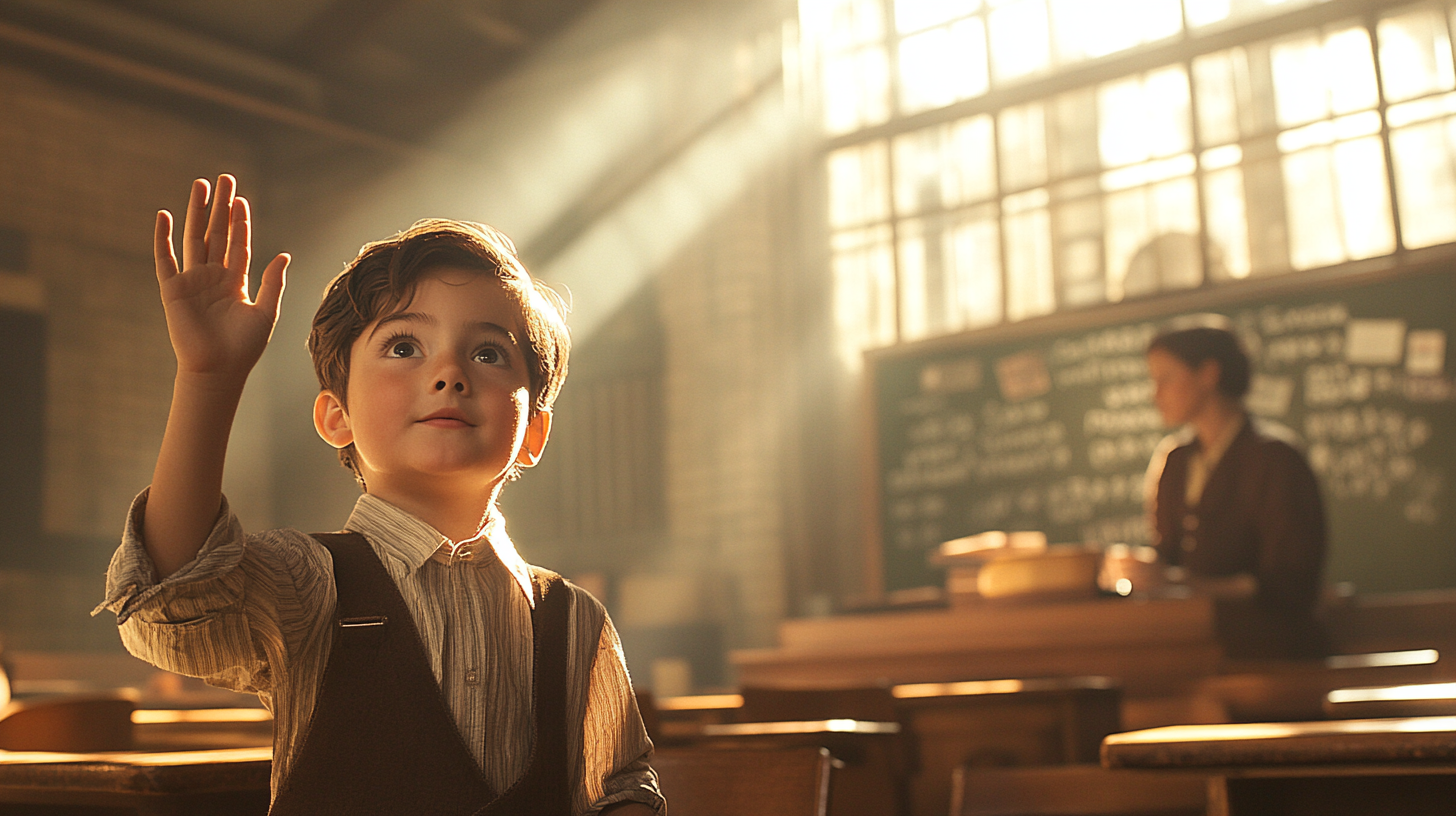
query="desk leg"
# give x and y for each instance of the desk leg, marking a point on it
(1218, 796)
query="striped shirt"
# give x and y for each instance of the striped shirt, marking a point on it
(253, 613)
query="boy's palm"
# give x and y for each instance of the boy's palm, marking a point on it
(214, 327)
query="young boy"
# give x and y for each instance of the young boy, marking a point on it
(413, 663)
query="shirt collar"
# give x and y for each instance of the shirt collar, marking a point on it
(414, 542)
(1212, 454)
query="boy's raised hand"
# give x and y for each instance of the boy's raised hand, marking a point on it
(216, 330)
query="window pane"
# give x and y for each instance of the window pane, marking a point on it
(1364, 198)
(1023, 146)
(852, 22)
(974, 248)
(859, 185)
(1144, 117)
(1073, 136)
(943, 65)
(1029, 288)
(1228, 230)
(864, 292)
(1415, 55)
(1299, 84)
(1211, 12)
(914, 15)
(1315, 78)
(1152, 239)
(950, 274)
(1336, 203)
(921, 280)
(856, 90)
(1019, 39)
(1205, 12)
(1078, 228)
(1350, 71)
(970, 174)
(1087, 30)
(1314, 231)
(1169, 121)
(1218, 104)
(1425, 181)
(945, 166)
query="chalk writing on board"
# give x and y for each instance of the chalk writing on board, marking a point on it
(1055, 433)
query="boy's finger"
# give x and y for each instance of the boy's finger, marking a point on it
(239, 240)
(220, 220)
(194, 229)
(162, 251)
(275, 280)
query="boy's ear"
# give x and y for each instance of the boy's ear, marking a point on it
(537, 431)
(330, 420)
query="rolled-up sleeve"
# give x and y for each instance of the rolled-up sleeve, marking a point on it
(616, 750)
(232, 615)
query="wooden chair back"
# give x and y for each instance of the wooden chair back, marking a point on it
(728, 782)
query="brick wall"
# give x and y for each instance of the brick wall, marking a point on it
(81, 176)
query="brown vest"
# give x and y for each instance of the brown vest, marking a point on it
(382, 739)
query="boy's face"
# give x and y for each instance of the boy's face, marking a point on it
(439, 395)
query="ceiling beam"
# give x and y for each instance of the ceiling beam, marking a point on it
(160, 79)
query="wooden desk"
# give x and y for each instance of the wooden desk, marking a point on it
(1337, 768)
(1153, 647)
(220, 783)
(1159, 650)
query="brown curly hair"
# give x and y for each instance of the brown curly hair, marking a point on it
(384, 276)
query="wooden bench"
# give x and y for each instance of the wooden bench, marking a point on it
(1333, 768)
(721, 782)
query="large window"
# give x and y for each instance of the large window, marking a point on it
(993, 160)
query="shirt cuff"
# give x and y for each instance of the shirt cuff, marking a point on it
(131, 580)
(642, 795)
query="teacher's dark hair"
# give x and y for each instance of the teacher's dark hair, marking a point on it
(1200, 344)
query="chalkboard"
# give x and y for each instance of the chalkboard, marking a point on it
(1050, 425)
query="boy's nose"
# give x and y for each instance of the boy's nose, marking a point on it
(440, 385)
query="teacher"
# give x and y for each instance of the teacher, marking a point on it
(1233, 503)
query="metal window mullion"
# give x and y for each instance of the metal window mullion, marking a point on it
(1000, 212)
(891, 44)
(1372, 23)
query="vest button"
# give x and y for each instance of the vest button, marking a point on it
(1190, 522)
(471, 677)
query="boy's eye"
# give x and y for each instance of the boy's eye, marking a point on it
(489, 356)
(402, 348)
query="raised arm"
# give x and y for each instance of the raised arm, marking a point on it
(218, 334)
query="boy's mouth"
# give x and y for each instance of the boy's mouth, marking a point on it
(446, 418)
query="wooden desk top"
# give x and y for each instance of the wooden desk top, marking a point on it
(1004, 626)
(179, 772)
(1411, 741)
(1152, 646)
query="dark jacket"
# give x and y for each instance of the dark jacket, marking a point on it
(1260, 513)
